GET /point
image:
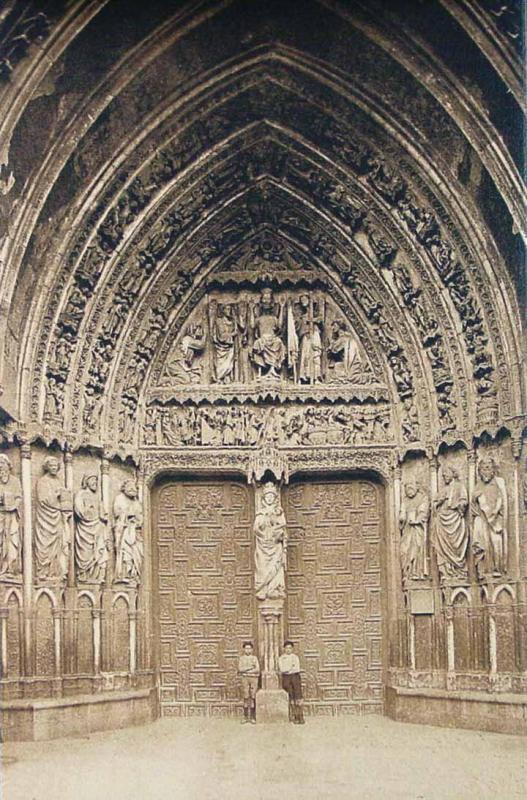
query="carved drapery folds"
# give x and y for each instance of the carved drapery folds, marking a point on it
(53, 523)
(10, 520)
(489, 508)
(413, 521)
(270, 566)
(127, 526)
(465, 529)
(446, 553)
(245, 338)
(450, 526)
(251, 425)
(91, 534)
(270, 533)
(296, 260)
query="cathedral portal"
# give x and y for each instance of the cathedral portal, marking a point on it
(205, 604)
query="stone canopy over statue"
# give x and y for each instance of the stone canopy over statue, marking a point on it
(270, 336)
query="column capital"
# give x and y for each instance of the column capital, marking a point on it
(517, 447)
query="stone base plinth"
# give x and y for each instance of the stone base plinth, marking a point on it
(501, 713)
(52, 718)
(272, 705)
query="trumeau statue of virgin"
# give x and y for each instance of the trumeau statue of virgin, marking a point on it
(271, 545)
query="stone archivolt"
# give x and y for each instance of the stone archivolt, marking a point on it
(414, 219)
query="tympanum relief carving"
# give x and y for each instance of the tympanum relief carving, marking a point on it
(247, 337)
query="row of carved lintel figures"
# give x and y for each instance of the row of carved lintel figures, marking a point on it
(488, 511)
(62, 516)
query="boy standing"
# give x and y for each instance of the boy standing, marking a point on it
(290, 669)
(249, 670)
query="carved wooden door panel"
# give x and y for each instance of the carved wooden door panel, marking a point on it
(206, 606)
(333, 588)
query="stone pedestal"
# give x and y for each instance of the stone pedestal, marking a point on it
(272, 705)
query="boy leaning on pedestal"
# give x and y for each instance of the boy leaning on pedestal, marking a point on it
(289, 664)
(249, 671)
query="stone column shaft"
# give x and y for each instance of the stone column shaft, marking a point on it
(493, 650)
(27, 560)
(96, 640)
(68, 482)
(133, 641)
(57, 617)
(4, 613)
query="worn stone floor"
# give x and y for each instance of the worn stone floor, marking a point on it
(341, 759)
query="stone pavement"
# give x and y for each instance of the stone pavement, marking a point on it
(327, 759)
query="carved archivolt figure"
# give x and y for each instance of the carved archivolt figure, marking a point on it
(489, 511)
(268, 350)
(271, 545)
(10, 502)
(413, 519)
(128, 522)
(52, 523)
(91, 534)
(410, 421)
(451, 530)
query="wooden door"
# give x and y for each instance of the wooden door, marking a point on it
(334, 593)
(206, 605)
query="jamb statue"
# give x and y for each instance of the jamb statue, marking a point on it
(128, 522)
(489, 512)
(413, 519)
(10, 503)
